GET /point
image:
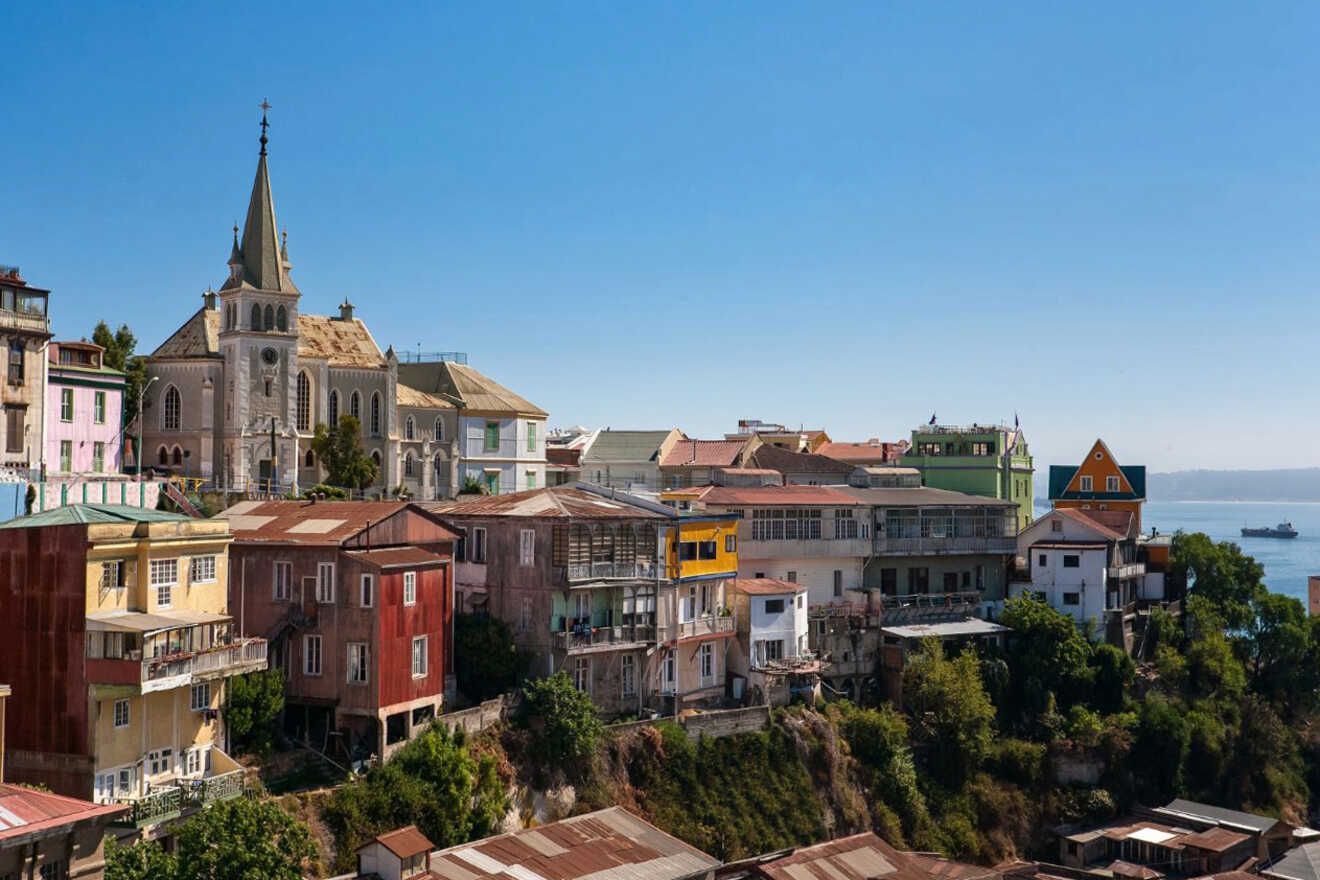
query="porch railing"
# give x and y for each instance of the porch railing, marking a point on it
(249, 653)
(601, 636)
(183, 795)
(611, 570)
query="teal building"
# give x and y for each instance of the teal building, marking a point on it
(990, 460)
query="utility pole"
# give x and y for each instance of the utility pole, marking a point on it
(142, 393)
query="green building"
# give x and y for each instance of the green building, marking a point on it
(979, 460)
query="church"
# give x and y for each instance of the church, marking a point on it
(235, 394)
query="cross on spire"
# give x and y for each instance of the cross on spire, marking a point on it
(265, 106)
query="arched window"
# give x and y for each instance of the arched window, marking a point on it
(178, 456)
(334, 408)
(303, 413)
(355, 406)
(270, 318)
(380, 471)
(408, 428)
(281, 319)
(439, 428)
(375, 414)
(408, 465)
(256, 317)
(169, 417)
(163, 456)
(310, 459)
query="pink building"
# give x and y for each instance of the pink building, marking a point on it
(84, 411)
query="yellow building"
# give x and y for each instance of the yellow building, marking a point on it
(135, 603)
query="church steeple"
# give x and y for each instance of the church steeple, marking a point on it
(264, 266)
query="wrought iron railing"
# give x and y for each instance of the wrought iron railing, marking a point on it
(600, 636)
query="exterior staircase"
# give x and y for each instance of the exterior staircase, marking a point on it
(172, 492)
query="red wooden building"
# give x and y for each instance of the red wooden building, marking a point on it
(357, 601)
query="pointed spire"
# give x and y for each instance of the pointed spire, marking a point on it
(263, 265)
(284, 250)
(235, 255)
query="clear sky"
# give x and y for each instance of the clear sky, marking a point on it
(656, 215)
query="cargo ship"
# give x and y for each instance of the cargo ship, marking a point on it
(1282, 530)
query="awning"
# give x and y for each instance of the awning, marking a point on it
(148, 624)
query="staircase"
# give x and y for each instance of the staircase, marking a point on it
(172, 492)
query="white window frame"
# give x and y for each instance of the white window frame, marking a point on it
(706, 656)
(124, 719)
(203, 688)
(628, 676)
(282, 576)
(325, 583)
(477, 552)
(668, 674)
(420, 660)
(159, 762)
(1087, 484)
(367, 591)
(358, 662)
(1111, 484)
(157, 577)
(410, 588)
(197, 760)
(582, 674)
(112, 572)
(312, 646)
(527, 547)
(201, 570)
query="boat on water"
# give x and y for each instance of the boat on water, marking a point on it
(1282, 530)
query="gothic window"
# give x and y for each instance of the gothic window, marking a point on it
(256, 317)
(178, 456)
(163, 456)
(439, 428)
(310, 459)
(270, 318)
(304, 412)
(355, 406)
(375, 414)
(334, 408)
(170, 410)
(408, 428)
(408, 465)
(380, 472)
(281, 319)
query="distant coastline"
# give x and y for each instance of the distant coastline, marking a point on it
(1286, 485)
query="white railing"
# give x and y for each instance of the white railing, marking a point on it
(607, 570)
(226, 659)
(701, 626)
(919, 546)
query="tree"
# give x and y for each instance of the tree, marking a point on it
(241, 839)
(1047, 655)
(1113, 672)
(567, 718)
(143, 860)
(119, 355)
(1159, 750)
(952, 718)
(1218, 572)
(341, 454)
(487, 661)
(254, 705)
(1277, 643)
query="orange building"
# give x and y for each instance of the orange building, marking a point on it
(1099, 483)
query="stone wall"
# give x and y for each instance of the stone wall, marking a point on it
(477, 718)
(724, 722)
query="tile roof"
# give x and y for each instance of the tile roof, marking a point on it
(609, 844)
(771, 496)
(610, 446)
(75, 514)
(198, 337)
(338, 343)
(412, 397)
(27, 812)
(302, 522)
(398, 557)
(558, 502)
(477, 393)
(766, 586)
(786, 462)
(703, 453)
(403, 842)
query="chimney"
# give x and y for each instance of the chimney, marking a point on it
(346, 310)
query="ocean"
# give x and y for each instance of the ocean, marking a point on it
(1287, 561)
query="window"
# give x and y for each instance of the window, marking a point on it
(333, 408)
(357, 663)
(56, 870)
(730, 543)
(268, 389)
(269, 318)
(98, 407)
(1056, 525)
(375, 414)
(1072, 598)
(918, 580)
(438, 432)
(846, 526)
(255, 318)
(325, 583)
(1086, 484)
(525, 616)
(14, 428)
(121, 713)
(1111, 484)
(838, 582)
(531, 479)
(1071, 560)
(283, 581)
(200, 698)
(66, 404)
(303, 412)
(531, 436)
(492, 482)
(98, 457)
(1042, 560)
(492, 436)
(527, 547)
(582, 674)
(628, 675)
(177, 455)
(478, 549)
(786, 525)
(791, 577)
(889, 581)
(66, 455)
(707, 663)
(197, 760)
(687, 551)
(112, 574)
(169, 420)
(160, 761)
(309, 460)
(16, 362)
(419, 658)
(312, 655)
(202, 570)
(707, 550)
(163, 574)
(368, 588)
(355, 406)
(281, 319)
(408, 465)
(774, 606)
(410, 588)
(774, 649)
(408, 428)
(667, 682)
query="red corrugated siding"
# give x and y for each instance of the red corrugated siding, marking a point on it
(431, 617)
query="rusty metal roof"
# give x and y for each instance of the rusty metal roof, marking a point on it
(767, 586)
(399, 557)
(339, 343)
(404, 842)
(324, 523)
(27, 812)
(865, 857)
(609, 844)
(558, 502)
(478, 393)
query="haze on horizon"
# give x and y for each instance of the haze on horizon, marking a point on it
(850, 217)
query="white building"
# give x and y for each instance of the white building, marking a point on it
(772, 650)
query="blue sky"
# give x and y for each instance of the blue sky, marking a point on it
(838, 215)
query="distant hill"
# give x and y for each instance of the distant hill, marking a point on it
(1291, 484)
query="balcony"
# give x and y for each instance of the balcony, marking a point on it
(582, 640)
(1126, 571)
(803, 548)
(943, 546)
(602, 571)
(718, 624)
(181, 796)
(181, 670)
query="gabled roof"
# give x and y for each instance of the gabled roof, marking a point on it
(767, 586)
(26, 812)
(403, 842)
(625, 446)
(868, 451)
(1061, 476)
(198, 337)
(1299, 863)
(474, 391)
(75, 514)
(323, 523)
(703, 453)
(786, 462)
(1113, 528)
(863, 857)
(555, 502)
(1218, 815)
(339, 343)
(412, 397)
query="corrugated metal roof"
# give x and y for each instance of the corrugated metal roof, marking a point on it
(399, 557)
(137, 621)
(1300, 863)
(304, 522)
(971, 626)
(559, 502)
(624, 446)
(912, 496)
(786, 462)
(1212, 813)
(772, 496)
(767, 586)
(403, 842)
(75, 514)
(865, 857)
(26, 811)
(477, 392)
